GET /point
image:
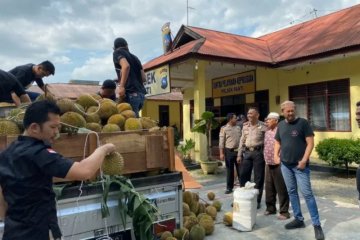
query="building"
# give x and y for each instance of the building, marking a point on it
(315, 64)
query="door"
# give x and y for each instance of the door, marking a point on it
(164, 116)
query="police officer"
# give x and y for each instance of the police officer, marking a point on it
(250, 152)
(27, 167)
(228, 144)
(11, 89)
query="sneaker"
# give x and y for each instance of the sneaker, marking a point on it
(319, 234)
(295, 224)
(228, 191)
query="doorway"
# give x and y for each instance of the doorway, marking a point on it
(164, 116)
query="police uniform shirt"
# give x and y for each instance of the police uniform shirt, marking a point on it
(252, 136)
(26, 76)
(229, 136)
(27, 167)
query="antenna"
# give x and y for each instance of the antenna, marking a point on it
(187, 12)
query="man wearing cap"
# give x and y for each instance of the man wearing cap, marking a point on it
(274, 181)
(294, 142)
(250, 152)
(29, 73)
(229, 138)
(108, 89)
(130, 74)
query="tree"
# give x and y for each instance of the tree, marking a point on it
(204, 126)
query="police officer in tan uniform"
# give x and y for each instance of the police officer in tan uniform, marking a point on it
(228, 144)
(250, 152)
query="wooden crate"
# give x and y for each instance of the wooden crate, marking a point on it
(142, 150)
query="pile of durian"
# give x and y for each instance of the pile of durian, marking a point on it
(198, 217)
(89, 111)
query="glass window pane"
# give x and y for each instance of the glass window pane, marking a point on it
(339, 113)
(317, 113)
(300, 108)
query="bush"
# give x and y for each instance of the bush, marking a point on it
(339, 151)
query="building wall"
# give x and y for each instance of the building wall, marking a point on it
(151, 109)
(278, 81)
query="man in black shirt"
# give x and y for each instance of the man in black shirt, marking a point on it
(130, 74)
(10, 86)
(108, 89)
(27, 168)
(28, 73)
(294, 141)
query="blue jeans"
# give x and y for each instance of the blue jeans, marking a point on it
(293, 178)
(33, 95)
(136, 100)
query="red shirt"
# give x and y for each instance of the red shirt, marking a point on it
(269, 142)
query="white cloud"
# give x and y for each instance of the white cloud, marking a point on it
(95, 69)
(62, 60)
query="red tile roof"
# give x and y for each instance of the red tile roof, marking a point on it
(326, 34)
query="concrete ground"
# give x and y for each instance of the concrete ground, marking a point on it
(336, 198)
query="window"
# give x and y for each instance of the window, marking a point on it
(325, 105)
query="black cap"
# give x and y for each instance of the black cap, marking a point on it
(120, 42)
(48, 66)
(109, 84)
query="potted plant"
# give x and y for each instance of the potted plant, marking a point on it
(185, 150)
(204, 126)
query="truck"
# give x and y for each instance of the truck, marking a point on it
(149, 165)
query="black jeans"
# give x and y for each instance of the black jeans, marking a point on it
(275, 185)
(230, 163)
(250, 160)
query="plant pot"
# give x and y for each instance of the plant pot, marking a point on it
(209, 167)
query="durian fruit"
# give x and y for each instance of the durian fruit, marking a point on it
(108, 128)
(50, 97)
(185, 218)
(147, 123)
(187, 197)
(128, 114)
(195, 197)
(96, 96)
(16, 114)
(165, 235)
(92, 118)
(92, 109)
(117, 119)
(8, 127)
(65, 105)
(201, 208)
(113, 164)
(107, 109)
(197, 232)
(201, 215)
(211, 210)
(123, 107)
(186, 209)
(217, 205)
(171, 238)
(87, 100)
(211, 196)
(192, 221)
(71, 121)
(208, 224)
(79, 109)
(96, 127)
(228, 219)
(192, 214)
(194, 207)
(181, 234)
(132, 124)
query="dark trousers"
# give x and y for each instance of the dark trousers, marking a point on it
(358, 180)
(249, 160)
(230, 163)
(275, 184)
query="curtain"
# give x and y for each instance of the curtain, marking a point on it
(317, 114)
(300, 107)
(339, 113)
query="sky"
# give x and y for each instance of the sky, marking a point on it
(78, 35)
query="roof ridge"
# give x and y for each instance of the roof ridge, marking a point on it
(309, 21)
(233, 34)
